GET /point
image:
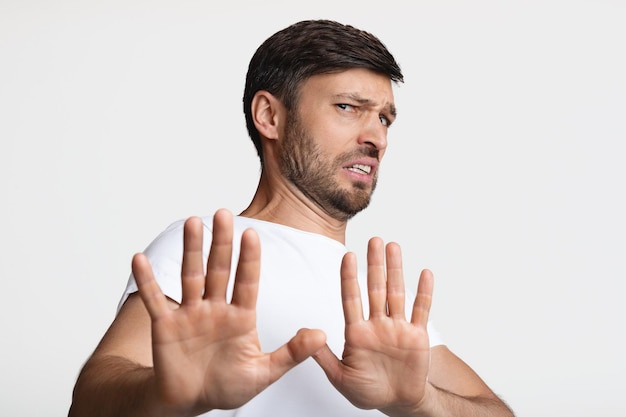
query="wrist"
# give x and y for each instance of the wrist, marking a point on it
(424, 407)
(160, 405)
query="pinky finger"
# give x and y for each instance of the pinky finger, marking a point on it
(423, 299)
(149, 291)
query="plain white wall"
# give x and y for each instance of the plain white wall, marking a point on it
(505, 175)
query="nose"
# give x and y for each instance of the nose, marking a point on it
(374, 133)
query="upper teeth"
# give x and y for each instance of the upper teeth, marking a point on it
(363, 168)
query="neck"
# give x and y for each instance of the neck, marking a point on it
(282, 203)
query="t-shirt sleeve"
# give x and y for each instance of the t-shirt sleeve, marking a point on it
(165, 255)
(434, 337)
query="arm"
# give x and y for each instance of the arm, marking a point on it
(458, 391)
(163, 359)
(117, 378)
(387, 362)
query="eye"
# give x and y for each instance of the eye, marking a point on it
(384, 120)
(346, 107)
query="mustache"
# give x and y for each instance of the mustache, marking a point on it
(359, 153)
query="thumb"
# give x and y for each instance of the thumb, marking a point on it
(303, 345)
(329, 362)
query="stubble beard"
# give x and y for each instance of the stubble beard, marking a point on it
(314, 174)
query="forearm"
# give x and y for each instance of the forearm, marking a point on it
(115, 386)
(441, 403)
(448, 404)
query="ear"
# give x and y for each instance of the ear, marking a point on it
(267, 113)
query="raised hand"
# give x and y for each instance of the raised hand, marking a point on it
(206, 353)
(386, 358)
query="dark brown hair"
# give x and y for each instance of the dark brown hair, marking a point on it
(307, 48)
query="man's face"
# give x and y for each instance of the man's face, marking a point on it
(335, 139)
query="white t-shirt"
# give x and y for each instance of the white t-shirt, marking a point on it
(299, 287)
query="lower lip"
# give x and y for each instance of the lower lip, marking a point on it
(358, 176)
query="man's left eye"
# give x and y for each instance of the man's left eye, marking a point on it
(344, 106)
(384, 120)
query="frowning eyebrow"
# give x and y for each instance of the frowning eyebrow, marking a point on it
(390, 108)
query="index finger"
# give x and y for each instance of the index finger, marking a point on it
(350, 292)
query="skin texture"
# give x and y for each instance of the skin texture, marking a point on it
(207, 351)
(343, 115)
(304, 163)
(384, 351)
(159, 358)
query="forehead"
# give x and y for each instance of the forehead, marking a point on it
(358, 84)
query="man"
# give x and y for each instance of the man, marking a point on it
(318, 102)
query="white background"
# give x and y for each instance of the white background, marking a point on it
(505, 175)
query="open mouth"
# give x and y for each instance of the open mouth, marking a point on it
(360, 169)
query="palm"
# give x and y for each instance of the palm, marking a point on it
(379, 357)
(206, 352)
(385, 351)
(210, 352)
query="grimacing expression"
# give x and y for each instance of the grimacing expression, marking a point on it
(314, 173)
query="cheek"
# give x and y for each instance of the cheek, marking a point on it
(332, 133)
(335, 137)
